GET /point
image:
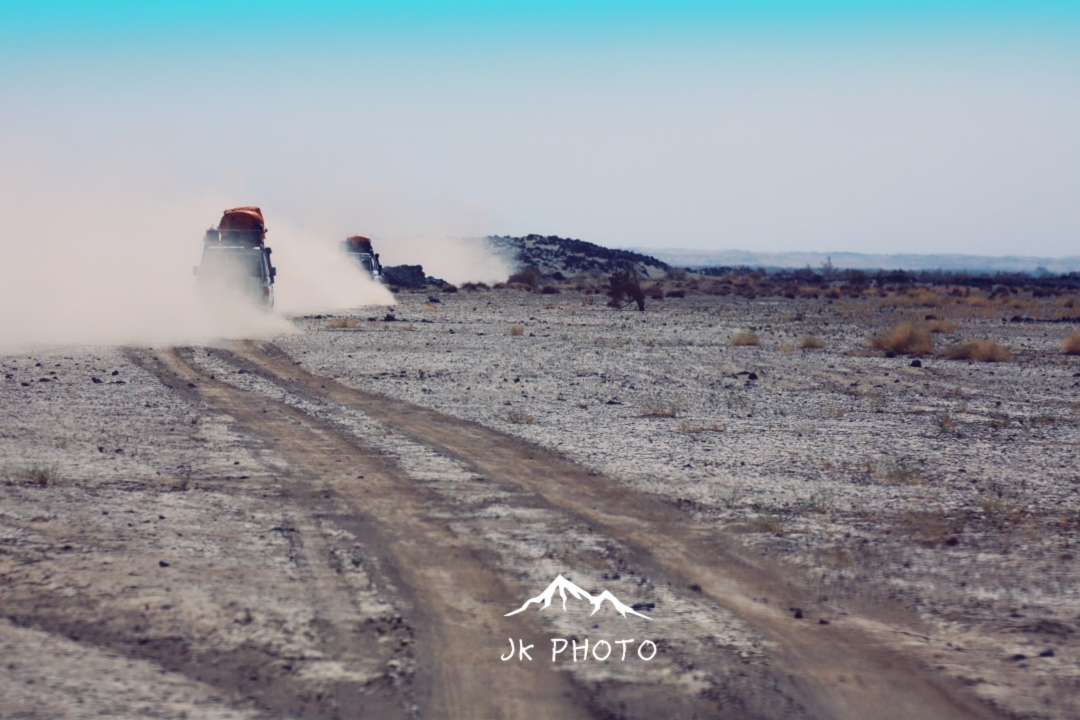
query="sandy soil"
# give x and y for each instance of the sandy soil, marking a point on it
(198, 541)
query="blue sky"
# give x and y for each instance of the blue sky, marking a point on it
(880, 127)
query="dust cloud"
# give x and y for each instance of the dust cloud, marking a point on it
(456, 260)
(100, 278)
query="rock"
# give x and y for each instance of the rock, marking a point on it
(1018, 657)
(406, 276)
(695, 587)
(823, 621)
(916, 363)
(162, 563)
(751, 376)
(96, 381)
(798, 613)
(1048, 652)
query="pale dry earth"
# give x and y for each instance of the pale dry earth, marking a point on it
(928, 515)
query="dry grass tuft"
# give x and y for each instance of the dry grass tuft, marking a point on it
(811, 343)
(517, 417)
(341, 323)
(659, 410)
(692, 427)
(979, 351)
(517, 330)
(907, 338)
(40, 475)
(1071, 344)
(744, 339)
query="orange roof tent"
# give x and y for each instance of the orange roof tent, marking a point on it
(359, 244)
(244, 221)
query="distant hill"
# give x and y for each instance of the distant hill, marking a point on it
(551, 254)
(861, 261)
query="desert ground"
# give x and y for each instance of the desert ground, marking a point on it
(335, 522)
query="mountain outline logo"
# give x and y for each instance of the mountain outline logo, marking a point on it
(564, 586)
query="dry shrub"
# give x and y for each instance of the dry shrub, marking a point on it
(907, 338)
(659, 410)
(473, 287)
(1071, 344)
(550, 290)
(917, 297)
(517, 330)
(40, 475)
(517, 417)
(941, 326)
(624, 287)
(787, 349)
(745, 338)
(448, 288)
(979, 351)
(811, 343)
(976, 301)
(342, 323)
(529, 277)
(1068, 302)
(692, 426)
(676, 294)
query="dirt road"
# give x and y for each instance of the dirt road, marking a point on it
(854, 659)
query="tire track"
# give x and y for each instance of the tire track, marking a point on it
(450, 596)
(857, 667)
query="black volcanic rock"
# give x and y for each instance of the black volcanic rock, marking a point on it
(551, 255)
(409, 276)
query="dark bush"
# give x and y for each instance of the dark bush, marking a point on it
(623, 287)
(530, 277)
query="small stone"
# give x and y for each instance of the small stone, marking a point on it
(162, 563)
(751, 376)
(1018, 657)
(1048, 652)
(695, 587)
(823, 621)
(916, 363)
(798, 614)
(96, 381)
(115, 373)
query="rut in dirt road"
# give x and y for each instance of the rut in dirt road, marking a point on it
(853, 668)
(449, 597)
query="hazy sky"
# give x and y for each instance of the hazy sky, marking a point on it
(878, 127)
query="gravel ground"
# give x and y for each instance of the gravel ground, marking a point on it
(131, 514)
(952, 487)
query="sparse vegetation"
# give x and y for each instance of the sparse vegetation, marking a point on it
(907, 338)
(40, 475)
(769, 522)
(946, 422)
(896, 472)
(743, 339)
(810, 342)
(1071, 344)
(659, 409)
(529, 277)
(978, 351)
(623, 288)
(517, 330)
(518, 417)
(343, 323)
